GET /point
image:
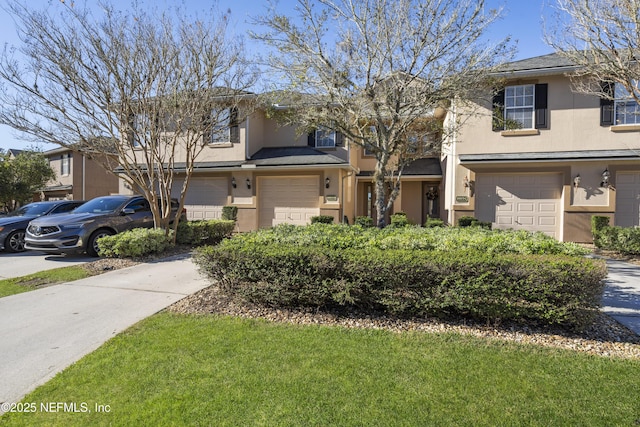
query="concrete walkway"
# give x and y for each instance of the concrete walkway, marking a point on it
(46, 330)
(621, 299)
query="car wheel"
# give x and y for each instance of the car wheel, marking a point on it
(15, 241)
(92, 246)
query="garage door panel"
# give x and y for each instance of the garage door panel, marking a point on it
(627, 199)
(205, 197)
(529, 202)
(291, 200)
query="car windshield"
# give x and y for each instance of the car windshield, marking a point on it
(101, 205)
(32, 209)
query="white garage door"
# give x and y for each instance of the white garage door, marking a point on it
(628, 199)
(292, 200)
(205, 197)
(522, 202)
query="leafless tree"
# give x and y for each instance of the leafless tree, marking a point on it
(138, 90)
(602, 39)
(379, 71)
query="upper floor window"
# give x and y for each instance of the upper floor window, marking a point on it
(141, 130)
(220, 130)
(325, 138)
(627, 110)
(518, 105)
(65, 164)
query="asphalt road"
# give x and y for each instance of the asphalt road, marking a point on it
(21, 264)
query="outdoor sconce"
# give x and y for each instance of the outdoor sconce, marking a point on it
(576, 181)
(327, 182)
(233, 182)
(605, 179)
(248, 183)
(465, 182)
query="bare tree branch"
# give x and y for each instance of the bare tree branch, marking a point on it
(143, 87)
(377, 71)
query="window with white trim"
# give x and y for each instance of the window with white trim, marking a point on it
(519, 105)
(627, 110)
(325, 138)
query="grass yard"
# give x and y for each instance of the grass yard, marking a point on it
(43, 278)
(204, 370)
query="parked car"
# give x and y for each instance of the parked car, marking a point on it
(14, 224)
(79, 231)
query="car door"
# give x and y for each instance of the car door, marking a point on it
(137, 214)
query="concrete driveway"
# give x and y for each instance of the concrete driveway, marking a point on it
(23, 263)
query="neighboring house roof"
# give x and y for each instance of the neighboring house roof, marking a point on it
(293, 156)
(429, 166)
(553, 63)
(14, 152)
(550, 156)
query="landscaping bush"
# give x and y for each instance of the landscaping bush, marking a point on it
(230, 213)
(399, 219)
(547, 289)
(597, 224)
(469, 221)
(434, 222)
(135, 243)
(322, 219)
(204, 232)
(363, 221)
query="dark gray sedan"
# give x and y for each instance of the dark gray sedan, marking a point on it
(80, 230)
(14, 224)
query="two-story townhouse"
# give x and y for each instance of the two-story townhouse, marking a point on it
(78, 177)
(272, 174)
(540, 156)
(275, 175)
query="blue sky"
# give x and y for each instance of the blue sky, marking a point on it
(522, 21)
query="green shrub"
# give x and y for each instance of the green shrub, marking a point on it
(546, 289)
(466, 221)
(597, 224)
(363, 221)
(399, 219)
(230, 213)
(135, 243)
(434, 222)
(204, 232)
(322, 219)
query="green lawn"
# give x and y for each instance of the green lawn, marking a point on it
(198, 370)
(43, 278)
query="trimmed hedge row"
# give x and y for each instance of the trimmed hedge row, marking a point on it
(551, 290)
(204, 232)
(135, 243)
(341, 236)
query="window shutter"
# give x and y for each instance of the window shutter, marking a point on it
(606, 105)
(339, 139)
(311, 139)
(541, 106)
(498, 111)
(234, 129)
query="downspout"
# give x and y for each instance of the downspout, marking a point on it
(452, 165)
(246, 140)
(84, 176)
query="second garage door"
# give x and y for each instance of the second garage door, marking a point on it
(628, 199)
(522, 202)
(291, 200)
(205, 197)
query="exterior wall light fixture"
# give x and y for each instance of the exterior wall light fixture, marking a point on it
(327, 182)
(576, 181)
(605, 178)
(465, 182)
(233, 182)
(248, 183)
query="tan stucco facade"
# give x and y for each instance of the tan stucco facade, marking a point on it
(573, 145)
